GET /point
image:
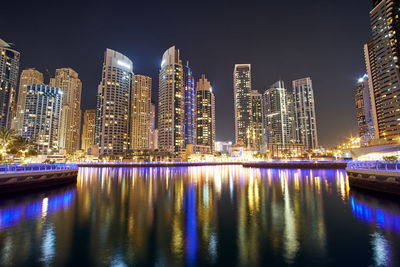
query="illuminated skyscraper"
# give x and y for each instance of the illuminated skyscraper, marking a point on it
(9, 67)
(89, 122)
(28, 77)
(140, 112)
(373, 81)
(42, 117)
(153, 141)
(385, 24)
(257, 119)
(364, 111)
(189, 98)
(276, 121)
(304, 113)
(112, 113)
(242, 101)
(205, 113)
(70, 124)
(171, 104)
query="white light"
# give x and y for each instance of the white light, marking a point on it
(162, 62)
(360, 80)
(124, 64)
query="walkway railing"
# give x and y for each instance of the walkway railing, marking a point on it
(374, 165)
(19, 168)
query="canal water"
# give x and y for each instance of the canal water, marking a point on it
(201, 216)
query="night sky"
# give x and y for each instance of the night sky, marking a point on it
(281, 39)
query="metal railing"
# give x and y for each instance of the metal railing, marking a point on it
(374, 165)
(21, 168)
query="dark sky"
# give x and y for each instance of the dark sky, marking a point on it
(281, 39)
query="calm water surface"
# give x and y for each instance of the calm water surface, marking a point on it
(196, 216)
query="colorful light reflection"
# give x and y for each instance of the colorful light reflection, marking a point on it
(374, 215)
(11, 216)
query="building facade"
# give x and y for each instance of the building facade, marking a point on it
(205, 113)
(9, 68)
(70, 125)
(28, 77)
(140, 112)
(364, 111)
(113, 103)
(88, 128)
(42, 117)
(153, 141)
(189, 99)
(257, 121)
(242, 101)
(385, 24)
(304, 113)
(171, 104)
(373, 81)
(276, 120)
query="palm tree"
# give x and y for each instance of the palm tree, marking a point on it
(18, 144)
(6, 137)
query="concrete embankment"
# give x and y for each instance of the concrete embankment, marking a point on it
(24, 181)
(271, 164)
(375, 180)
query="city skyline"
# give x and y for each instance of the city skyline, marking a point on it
(145, 54)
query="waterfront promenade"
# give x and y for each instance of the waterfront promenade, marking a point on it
(380, 176)
(17, 178)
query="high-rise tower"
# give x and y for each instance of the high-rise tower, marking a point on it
(42, 117)
(385, 23)
(28, 77)
(9, 67)
(171, 104)
(257, 120)
(242, 101)
(70, 125)
(140, 112)
(304, 113)
(189, 99)
(112, 113)
(364, 111)
(276, 120)
(88, 128)
(205, 113)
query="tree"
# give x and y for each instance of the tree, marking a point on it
(6, 137)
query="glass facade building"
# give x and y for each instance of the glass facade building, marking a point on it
(9, 68)
(28, 77)
(171, 105)
(113, 104)
(189, 98)
(383, 61)
(276, 119)
(242, 101)
(304, 113)
(205, 114)
(42, 117)
(257, 121)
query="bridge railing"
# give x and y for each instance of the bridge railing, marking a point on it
(21, 168)
(374, 165)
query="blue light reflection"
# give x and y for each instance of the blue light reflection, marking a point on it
(373, 215)
(11, 216)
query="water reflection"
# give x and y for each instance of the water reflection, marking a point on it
(225, 215)
(382, 213)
